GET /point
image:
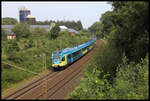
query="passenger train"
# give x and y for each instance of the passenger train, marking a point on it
(62, 58)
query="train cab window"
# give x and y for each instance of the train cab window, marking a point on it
(63, 59)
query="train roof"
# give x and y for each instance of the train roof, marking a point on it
(71, 50)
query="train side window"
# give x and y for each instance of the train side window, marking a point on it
(76, 53)
(63, 59)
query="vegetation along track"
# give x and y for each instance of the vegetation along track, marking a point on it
(52, 85)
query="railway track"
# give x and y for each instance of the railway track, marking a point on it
(52, 84)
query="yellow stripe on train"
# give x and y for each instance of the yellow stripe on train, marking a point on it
(84, 51)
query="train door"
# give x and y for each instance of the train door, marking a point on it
(69, 59)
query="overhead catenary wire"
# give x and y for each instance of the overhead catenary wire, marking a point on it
(19, 68)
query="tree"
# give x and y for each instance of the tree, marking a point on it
(39, 31)
(130, 20)
(85, 32)
(79, 24)
(107, 23)
(96, 29)
(22, 30)
(70, 24)
(9, 21)
(54, 32)
(4, 35)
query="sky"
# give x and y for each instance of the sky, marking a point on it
(86, 12)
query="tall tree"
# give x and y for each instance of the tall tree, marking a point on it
(130, 20)
(96, 29)
(107, 22)
(54, 32)
(79, 24)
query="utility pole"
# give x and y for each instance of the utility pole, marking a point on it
(60, 43)
(45, 78)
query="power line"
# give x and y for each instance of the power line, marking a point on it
(20, 68)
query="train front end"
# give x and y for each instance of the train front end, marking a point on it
(58, 60)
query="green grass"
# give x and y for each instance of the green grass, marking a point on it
(26, 57)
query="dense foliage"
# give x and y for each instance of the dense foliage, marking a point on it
(130, 20)
(70, 24)
(96, 29)
(39, 31)
(28, 52)
(54, 32)
(127, 27)
(22, 30)
(119, 69)
(9, 21)
(4, 35)
(11, 47)
(107, 23)
(130, 82)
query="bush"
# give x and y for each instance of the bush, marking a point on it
(17, 59)
(65, 34)
(22, 30)
(91, 86)
(39, 31)
(4, 35)
(107, 58)
(11, 76)
(131, 82)
(29, 44)
(12, 47)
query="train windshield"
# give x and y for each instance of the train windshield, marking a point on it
(56, 55)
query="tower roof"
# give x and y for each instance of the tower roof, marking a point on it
(30, 16)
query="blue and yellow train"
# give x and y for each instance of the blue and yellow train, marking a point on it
(62, 58)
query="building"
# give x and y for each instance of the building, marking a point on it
(63, 28)
(30, 19)
(47, 27)
(9, 27)
(10, 35)
(73, 31)
(23, 12)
